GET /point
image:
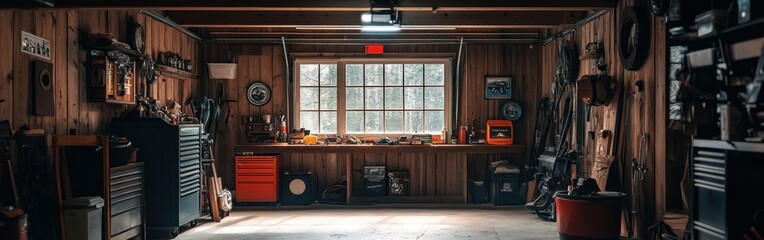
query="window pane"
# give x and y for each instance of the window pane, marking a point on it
(328, 98)
(354, 97)
(354, 74)
(374, 98)
(414, 121)
(328, 74)
(309, 75)
(433, 74)
(309, 120)
(354, 121)
(328, 122)
(308, 98)
(414, 97)
(393, 74)
(374, 122)
(434, 121)
(433, 97)
(394, 122)
(413, 74)
(374, 74)
(393, 98)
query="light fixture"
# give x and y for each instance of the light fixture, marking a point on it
(380, 28)
(382, 17)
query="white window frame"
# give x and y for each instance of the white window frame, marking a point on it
(341, 89)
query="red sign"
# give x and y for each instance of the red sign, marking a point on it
(375, 49)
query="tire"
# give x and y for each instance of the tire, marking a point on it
(633, 51)
(659, 7)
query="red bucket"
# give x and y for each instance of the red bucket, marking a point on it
(589, 217)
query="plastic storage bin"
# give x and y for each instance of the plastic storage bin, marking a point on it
(507, 187)
(83, 217)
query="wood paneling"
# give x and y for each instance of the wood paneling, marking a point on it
(431, 174)
(73, 112)
(647, 109)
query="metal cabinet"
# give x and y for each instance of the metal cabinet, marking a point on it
(257, 178)
(126, 201)
(726, 186)
(172, 157)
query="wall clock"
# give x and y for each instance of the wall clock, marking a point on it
(511, 111)
(258, 93)
(137, 37)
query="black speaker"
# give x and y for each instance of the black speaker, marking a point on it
(42, 79)
(297, 188)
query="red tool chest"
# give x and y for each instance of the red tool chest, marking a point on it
(257, 178)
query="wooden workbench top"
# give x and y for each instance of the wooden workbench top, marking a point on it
(366, 148)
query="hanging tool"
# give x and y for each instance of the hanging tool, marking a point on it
(225, 102)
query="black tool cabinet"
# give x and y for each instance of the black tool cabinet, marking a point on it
(727, 184)
(172, 157)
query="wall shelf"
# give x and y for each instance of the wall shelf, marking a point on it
(172, 72)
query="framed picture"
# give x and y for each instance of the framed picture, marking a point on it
(498, 87)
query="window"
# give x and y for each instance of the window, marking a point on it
(373, 97)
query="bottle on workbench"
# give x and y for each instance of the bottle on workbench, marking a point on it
(281, 136)
(462, 135)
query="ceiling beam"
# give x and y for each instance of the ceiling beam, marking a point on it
(344, 5)
(338, 20)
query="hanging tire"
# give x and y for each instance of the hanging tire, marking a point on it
(633, 38)
(659, 7)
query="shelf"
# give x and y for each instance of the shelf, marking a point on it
(738, 51)
(732, 146)
(366, 148)
(172, 72)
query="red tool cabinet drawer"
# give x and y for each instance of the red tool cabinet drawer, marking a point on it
(270, 171)
(257, 178)
(252, 178)
(255, 192)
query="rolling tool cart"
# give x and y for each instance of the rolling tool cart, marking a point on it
(172, 157)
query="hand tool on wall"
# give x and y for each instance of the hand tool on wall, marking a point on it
(606, 147)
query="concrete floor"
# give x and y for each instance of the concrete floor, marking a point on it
(376, 222)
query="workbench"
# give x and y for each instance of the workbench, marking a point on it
(348, 149)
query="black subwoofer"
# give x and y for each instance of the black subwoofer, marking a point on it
(297, 188)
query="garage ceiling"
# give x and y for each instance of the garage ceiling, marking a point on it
(250, 18)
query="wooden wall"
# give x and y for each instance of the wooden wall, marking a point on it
(432, 174)
(647, 109)
(62, 27)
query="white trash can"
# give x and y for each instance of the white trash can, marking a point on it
(83, 218)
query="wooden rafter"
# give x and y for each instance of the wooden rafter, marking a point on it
(353, 19)
(346, 5)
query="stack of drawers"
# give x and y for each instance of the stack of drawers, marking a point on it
(257, 178)
(126, 201)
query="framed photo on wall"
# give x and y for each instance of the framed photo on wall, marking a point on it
(498, 87)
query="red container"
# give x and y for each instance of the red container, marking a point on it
(257, 178)
(589, 217)
(462, 135)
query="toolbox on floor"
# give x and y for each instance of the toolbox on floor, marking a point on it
(398, 183)
(507, 187)
(477, 192)
(374, 183)
(82, 217)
